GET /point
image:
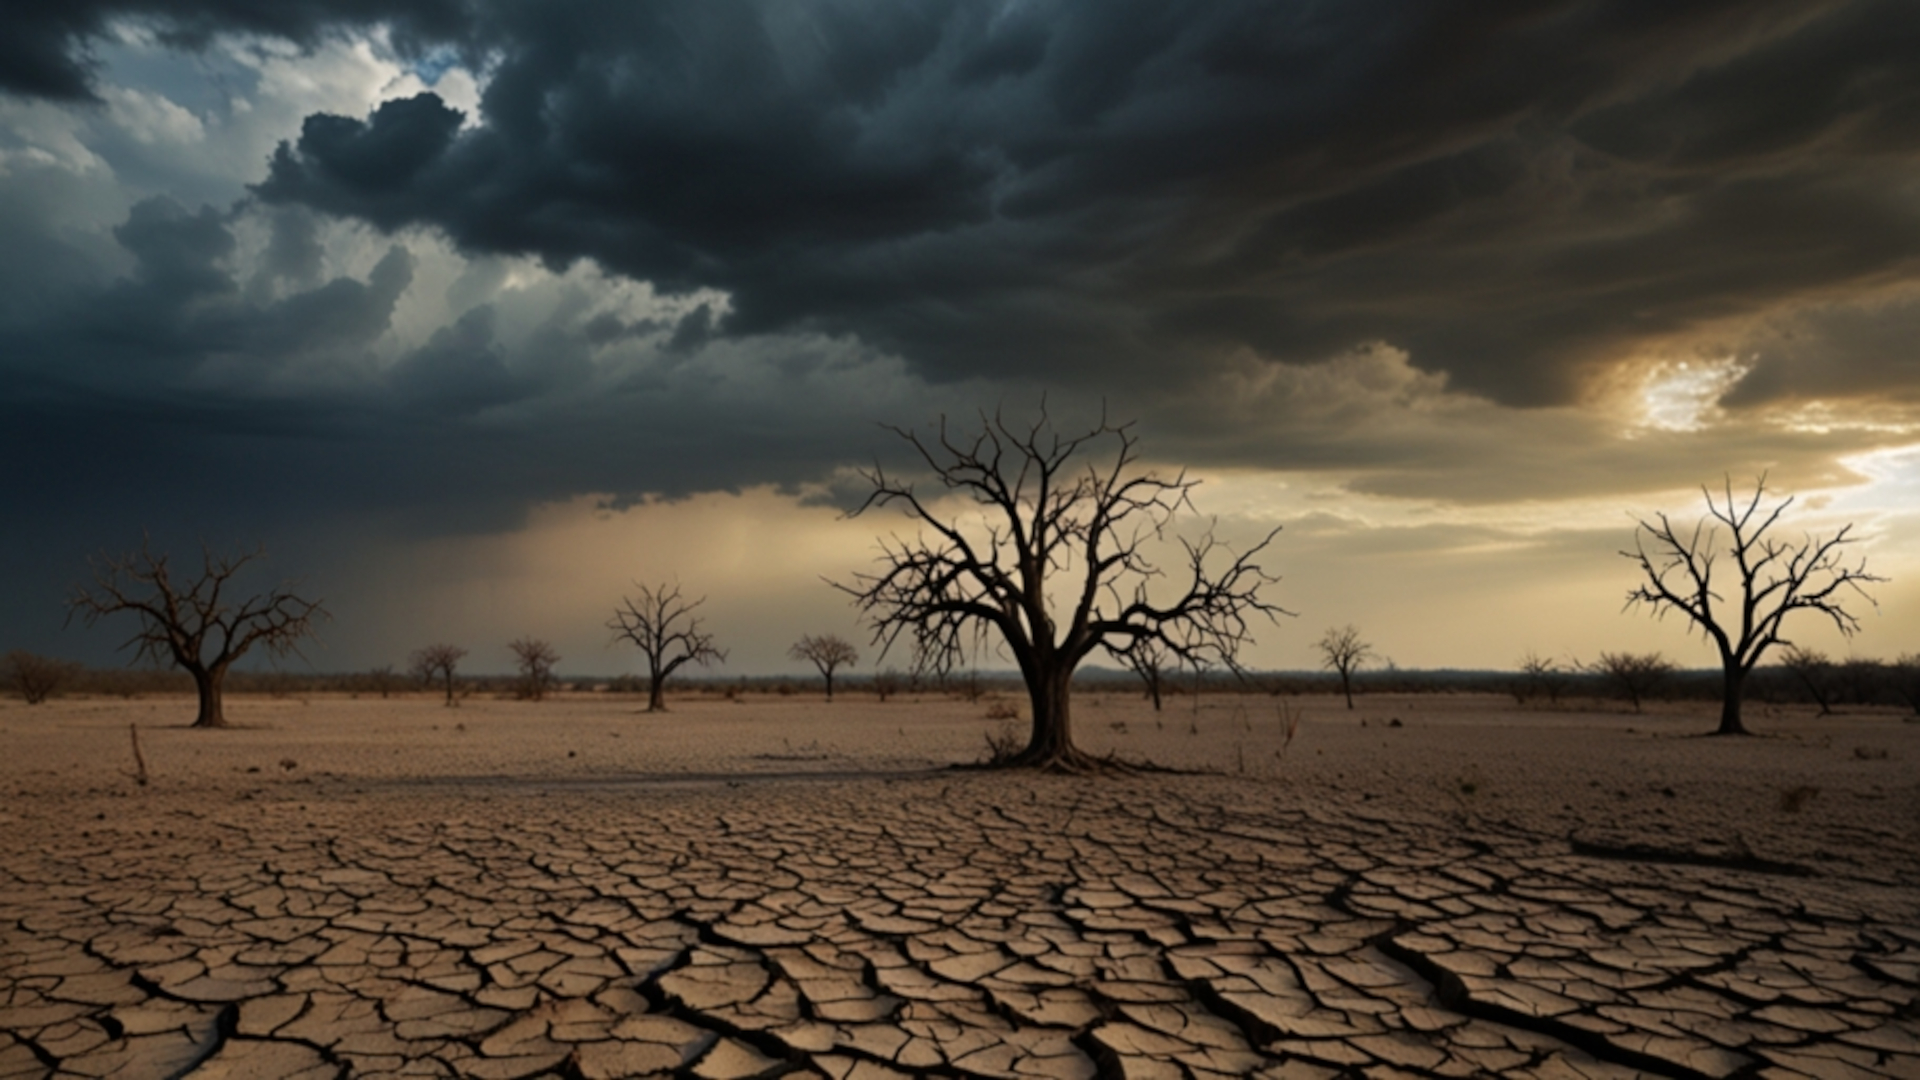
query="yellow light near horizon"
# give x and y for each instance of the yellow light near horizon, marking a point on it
(1682, 396)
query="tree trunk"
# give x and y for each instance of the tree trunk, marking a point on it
(1153, 690)
(1051, 743)
(1734, 688)
(829, 686)
(207, 681)
(656, 696)
(450, 701)
(1346, 687)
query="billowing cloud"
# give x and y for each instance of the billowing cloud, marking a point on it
(425, 269)
(49, 50)
(1510, 198)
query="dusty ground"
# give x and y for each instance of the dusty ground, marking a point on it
(781, 886)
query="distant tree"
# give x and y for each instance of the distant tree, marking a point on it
(35, 678)
(1906, 680)
(382, 679)
(1637, 675)
(437, 662)
(536, 659)
(1861, 679)
(827, 653)
(1539, 675)
(662, 625)
(1342, 652)
(1051, 519)
(193, 623)
(1813, 671)
(1771, 579)
(1148, 659)
(886, 683)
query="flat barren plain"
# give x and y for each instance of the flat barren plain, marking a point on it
(1424, 886)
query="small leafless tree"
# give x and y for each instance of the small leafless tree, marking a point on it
(886, 683)
(382, 679)
(1539, 675)
(1814, 672)
(194, 623)
(1342, 652)
(437, 662)
(1637, 675)
(1148, 659)
(536, 659)
(827, 653)
(661, 623)
(35, 678)
(1771, 580)
(1050, 520)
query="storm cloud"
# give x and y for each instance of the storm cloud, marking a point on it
(633, 252)
(1512, 193)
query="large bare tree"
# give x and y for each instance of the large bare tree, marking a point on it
(1058, 568)
(1342, 652)
(1742, 612)
(1814, 672)
(439, 661)
(662, 624)
(827, 653)
(193, 621)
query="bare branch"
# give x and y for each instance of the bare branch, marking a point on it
(661, 623)
(827, 653)
(189, 623)
(1051, 516)
(437, 662)
(536, 660)
(1342, 652)
(1774, 579)
(35, 678)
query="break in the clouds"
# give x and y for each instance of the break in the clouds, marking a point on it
(416, 270)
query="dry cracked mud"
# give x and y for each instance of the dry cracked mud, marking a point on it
(934, 924)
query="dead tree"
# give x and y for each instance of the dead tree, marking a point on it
(1771, 580)
(536, 659)
(827, 653)
(1538, 674)
(1815, 673)
(382, 679)
(1637, 675)
(193, 623)
(35, 678)
(1148, 659)
(437, 662)
(1051, 522)
(661, 623)
(1342, 652)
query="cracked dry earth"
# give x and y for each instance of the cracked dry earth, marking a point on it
(933, 924)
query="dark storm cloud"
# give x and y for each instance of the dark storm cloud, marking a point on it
(1126, 199)
(46, 49)
(1114, 194)
(181, 311)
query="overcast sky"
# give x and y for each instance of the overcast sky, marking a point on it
(474, 312)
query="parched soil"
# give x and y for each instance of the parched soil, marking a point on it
(1425, 886)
